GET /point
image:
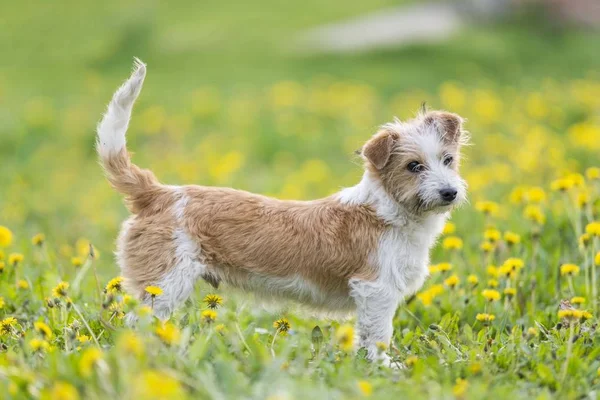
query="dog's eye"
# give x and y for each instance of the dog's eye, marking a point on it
(448, 160)
(415, 166)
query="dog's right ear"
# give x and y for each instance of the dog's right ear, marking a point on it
(379, 148)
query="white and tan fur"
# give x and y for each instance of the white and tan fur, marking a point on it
(363, 249)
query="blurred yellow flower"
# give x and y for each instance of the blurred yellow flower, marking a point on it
(534, 213)
(76, 261)
(15, 259)
(492, 283)
(492, 271)
(344, 336)
(39, 345)
(209, 316)
(441, 267)
(2, 302)
(597, 258)
(61, 391)
(490, 294)
(38, 239)
(452, 243)
(449, 228)
(130, 343)
(43, 330)
(115, 285)
(584, 240)
(365, 388)
(492, 235)
(60, 290)
(153, 291)
(510, 292)
(570, 314)
(487, 247)
(168, 333)
(592, 173)
(156, 385)
(460, 388)
(22, 284)
(512, 238)
(487, 207)
(562, 185)
(536, 195)
(578, 300)
(5, 236)
(593, 229)
(452, 281)
(473, 280)
(485, 317)
(569, 269)
(583, 199)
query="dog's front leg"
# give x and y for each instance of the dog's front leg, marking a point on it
(375, 308)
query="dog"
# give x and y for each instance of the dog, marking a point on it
(360, 250)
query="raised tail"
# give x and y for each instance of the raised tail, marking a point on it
(138, 185)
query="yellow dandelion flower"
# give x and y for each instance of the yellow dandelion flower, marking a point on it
(168, 333)
(593, 228)
(452, 243)
(282, 325)
(83, 339)
(514, 263)
(7, 324)
(213, 301)
(90, 357)
(411, 360)
(577, 179)
(511, 238)
(577, 300)
(62, 391)
(586, 315)
(38, 239)
(22, 284)
(569, 269)
(157, 385)
(531, 331)
(487, 247)
(76, 262)
(584, 240)
(485, 317)
(492, 235)
(6, 236)
(583, 199)
(60, 290)
(436, 290)
(518, 195)
(426, 298)
(2, 302)
(39, 345)
(562, 185)
(209, 316)
(43, 330)
(492, 271)
(592, 173)
(535, 214)
(473, 280)
(153, 291)
(115, 285)
(510, 292)
(597, 258)
(491, 295)
(365, 388)
(449, 228)
(452, 281)
(570, 315)
(444, 267)
(487, 207)
(15, 259)
(536, 195)
(221, 328)
(344, 336)
(2, 266)
(130, 343)
(460, 387)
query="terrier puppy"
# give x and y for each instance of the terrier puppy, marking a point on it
(362, 249)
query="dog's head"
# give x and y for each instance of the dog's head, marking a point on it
(417, 161)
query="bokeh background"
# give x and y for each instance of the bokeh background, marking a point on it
(274, 97)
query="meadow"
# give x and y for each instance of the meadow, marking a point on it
(511, 307)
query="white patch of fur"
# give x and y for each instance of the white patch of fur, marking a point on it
(178, 283)
(111, 130)
(402, 258)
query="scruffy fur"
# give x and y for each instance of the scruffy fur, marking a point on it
(362, 249)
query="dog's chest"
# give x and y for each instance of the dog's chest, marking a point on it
(403, 253)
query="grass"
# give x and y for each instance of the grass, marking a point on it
(228, 102)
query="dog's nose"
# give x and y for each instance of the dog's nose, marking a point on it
(448, 194)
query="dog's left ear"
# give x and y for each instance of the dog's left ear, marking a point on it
(379, 148)
(448, 124)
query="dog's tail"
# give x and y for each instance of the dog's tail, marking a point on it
(138, 185)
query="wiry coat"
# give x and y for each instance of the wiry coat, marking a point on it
(361, 249)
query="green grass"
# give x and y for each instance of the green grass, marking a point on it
(214, 111)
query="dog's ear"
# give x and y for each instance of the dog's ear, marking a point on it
(379, 148)
(448, 124)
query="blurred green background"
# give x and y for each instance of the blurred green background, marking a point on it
(231, 99)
